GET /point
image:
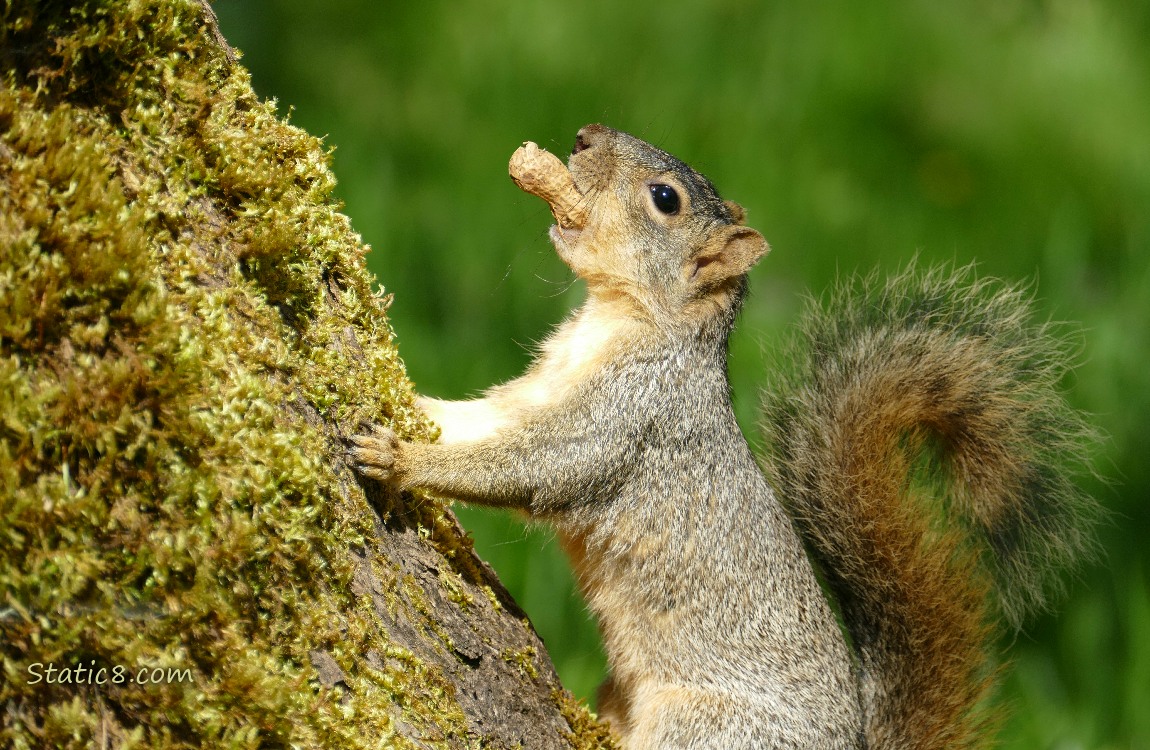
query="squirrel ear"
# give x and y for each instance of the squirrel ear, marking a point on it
(732, 253)
(738, 214)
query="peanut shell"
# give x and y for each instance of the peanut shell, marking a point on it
(539, 172)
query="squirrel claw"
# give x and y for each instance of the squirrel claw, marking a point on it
(373, 455)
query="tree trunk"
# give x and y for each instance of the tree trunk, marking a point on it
(187, 334)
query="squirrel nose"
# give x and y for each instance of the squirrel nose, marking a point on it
(587, 137)
(580, 143)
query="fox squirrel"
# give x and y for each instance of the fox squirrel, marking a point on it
(700, 569)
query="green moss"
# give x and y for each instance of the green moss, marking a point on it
(524, 659)
(452, 584)
(587, 733)
(175, 272)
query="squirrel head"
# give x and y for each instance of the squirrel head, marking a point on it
(655, 232)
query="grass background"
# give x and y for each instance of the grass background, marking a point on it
(1011, 132)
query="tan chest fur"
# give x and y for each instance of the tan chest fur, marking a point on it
(567, 358)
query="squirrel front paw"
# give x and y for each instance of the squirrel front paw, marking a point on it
(373, 454)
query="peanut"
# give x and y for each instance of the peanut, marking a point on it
(541, 173)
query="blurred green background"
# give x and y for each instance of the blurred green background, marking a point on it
(1010, 132)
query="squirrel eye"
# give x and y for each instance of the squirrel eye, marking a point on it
(666, 199)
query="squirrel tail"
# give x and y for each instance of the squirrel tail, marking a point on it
(930, 463)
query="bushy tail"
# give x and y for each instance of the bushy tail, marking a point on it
(929, 460)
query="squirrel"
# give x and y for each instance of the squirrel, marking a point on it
(712, 577)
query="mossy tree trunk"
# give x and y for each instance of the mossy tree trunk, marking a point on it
(187, 333)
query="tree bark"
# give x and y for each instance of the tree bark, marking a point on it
(187, 335)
